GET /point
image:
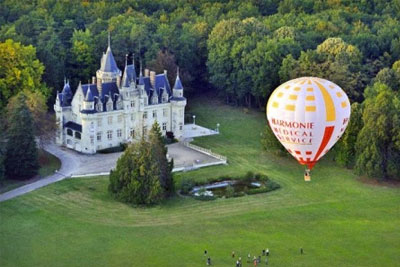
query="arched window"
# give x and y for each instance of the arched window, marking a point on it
(69, 132)
(78, 135)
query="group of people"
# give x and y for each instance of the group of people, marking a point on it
(255, 260)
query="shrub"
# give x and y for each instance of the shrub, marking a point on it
(229, 191)
(186, 185)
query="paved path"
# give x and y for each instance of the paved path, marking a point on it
(78, 164)
(68, 164)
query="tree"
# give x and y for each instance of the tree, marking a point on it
(43, 123)
(19, 70)
(378, 143)
(346, 148)
(21, 161)
(160, 151)
(2, 147)
(143, 174)
(270, 142)
(136, 180)
(165, 61)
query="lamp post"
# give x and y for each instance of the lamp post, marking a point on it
(217, 127)
(194, 119)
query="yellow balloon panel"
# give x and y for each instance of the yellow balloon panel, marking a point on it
(308, 115)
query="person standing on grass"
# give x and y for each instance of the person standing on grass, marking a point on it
(263, 252)
(267, 252)
(301, 251)
(255, 261)
(248, 257)
(233, 254)
(208, 261)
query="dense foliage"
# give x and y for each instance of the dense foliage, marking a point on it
(21, 161)
(19, 70)
(143, 174)
(239, 45)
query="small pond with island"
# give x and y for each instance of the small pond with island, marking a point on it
(225, 187)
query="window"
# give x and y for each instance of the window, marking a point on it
(109, 135)
(132, 104)
(145, 115)
(78, 135)
(119, 118)
(180, 126)
(92, 140)
(99, 136)
(110, 120)
(164, 126)
(154, 113)
(132, 133)
(164, 112)
(119, 133)
(69, 132)
(99, 122)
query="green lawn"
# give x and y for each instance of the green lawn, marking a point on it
(338, 220)
(48, 164)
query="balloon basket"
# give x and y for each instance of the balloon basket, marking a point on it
(307, 176)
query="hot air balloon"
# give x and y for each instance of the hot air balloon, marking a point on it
(308, 115)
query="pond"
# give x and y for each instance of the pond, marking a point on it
(232, 188)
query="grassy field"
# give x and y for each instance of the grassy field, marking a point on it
(48, 164)
(336, 219)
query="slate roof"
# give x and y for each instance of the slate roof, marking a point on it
(89, 96)
(178, 83)
(74, 126)
(108, 63)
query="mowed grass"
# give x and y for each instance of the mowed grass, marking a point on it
(336, 219)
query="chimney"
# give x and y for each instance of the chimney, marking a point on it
(146, 72)
(93, 80)
(153, 78)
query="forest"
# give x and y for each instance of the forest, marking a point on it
(242, 50)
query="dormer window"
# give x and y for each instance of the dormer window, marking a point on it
(109, 106)
(154, 99)
(99, 107)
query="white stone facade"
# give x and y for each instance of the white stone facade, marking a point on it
(111, 110)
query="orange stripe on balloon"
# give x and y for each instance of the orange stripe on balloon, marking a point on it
(327, 136)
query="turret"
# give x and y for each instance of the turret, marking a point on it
(88, 103)
(108, 71)
(177, 91)
(66, 94)
(178, 103)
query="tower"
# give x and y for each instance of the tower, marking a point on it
(108, 71)
(88, 142)
(178, 103)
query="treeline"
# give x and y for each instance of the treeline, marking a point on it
(241, 49)
(244, 48)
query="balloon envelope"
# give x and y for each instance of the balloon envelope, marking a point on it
(308, 115)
